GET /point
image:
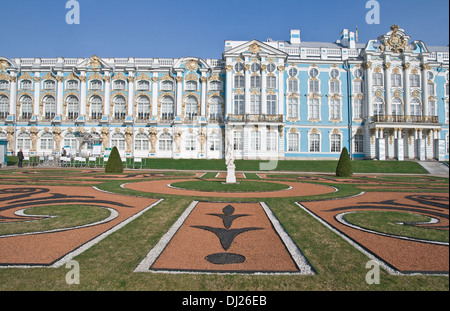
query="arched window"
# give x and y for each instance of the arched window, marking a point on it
(49, 85)
(46, 142)
(143, 85)
(119, 85)
(214, 142)
(23, 141)
(96, 107)
(49, 108)
(72, 107)
(378, 106)
(167, 85)
(167, 108)
(415, 105)
(71, 141)
(4, 85)
(72, 85)
(397, 109)
(26, 85)
(143, 108)
(191, 86)
(4, 107)
(165, 142)
(119, 108)
(96, 85)
(215, 109)
(191, 107)
(141, 142)
(190, 142)
(118, 140)
(27, 107)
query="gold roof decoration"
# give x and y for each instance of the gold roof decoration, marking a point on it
(255, 48)
(95, 62)
(192, 65)
(4, 64)
(394, 41)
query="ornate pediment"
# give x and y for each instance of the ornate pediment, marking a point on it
(395, 41)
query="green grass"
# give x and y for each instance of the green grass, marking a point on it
(109, 264)
(64, 216)
(388, 222)
(219, 186)
(323, 166)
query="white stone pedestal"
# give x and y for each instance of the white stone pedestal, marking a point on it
(231, 176)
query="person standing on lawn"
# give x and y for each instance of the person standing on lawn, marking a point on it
(20, 157)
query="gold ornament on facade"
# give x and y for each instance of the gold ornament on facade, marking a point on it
(192, 65)
(4, 64)
(255, 48)
(367, 65)
(229, 68)
(95, 62)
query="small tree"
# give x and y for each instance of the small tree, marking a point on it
(114, 164)
(344, 166)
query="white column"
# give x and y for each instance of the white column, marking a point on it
(179, 83)
(130, 111)
(107, 103)
(229, 90)
(37, 91)
(424, 92)
(83, 99)
(59, 93)
(263, 91)
(13, 95)
(247, 88)
(203, 80)
(406, 89)
(155, 94)
(281, 96)
(387, 84)
(369, 97)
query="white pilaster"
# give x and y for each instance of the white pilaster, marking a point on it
(130, 111)
(13, 95)
(37, 91)
(59, 93)
(83, 95)
(203, 80)
(155, 94)
(107, 103)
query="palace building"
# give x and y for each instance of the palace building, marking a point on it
(384, 99)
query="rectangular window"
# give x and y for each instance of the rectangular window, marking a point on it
(293, 86)
(313, 86)
(314, 109)
(239, 82)
(377, 79)
(293, 142)
(255, 82)
(358, 109)
(335, 143)
(239, 104)
(255, 104)
(359, 143)
(335, 109)
(357, 87)
(255, 140)
(271, 104)
(414, 81)
(396, 80)
(238, 141)
(314, 143)
(335, 87)
(271, 82)
(293, 108)
(272, 141)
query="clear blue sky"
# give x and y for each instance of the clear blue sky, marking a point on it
(181, 28)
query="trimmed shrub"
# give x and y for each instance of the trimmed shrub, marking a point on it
(114, 164)
(344, 166)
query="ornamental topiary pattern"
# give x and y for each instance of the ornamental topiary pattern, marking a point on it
(114, 164)
(344, 166)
